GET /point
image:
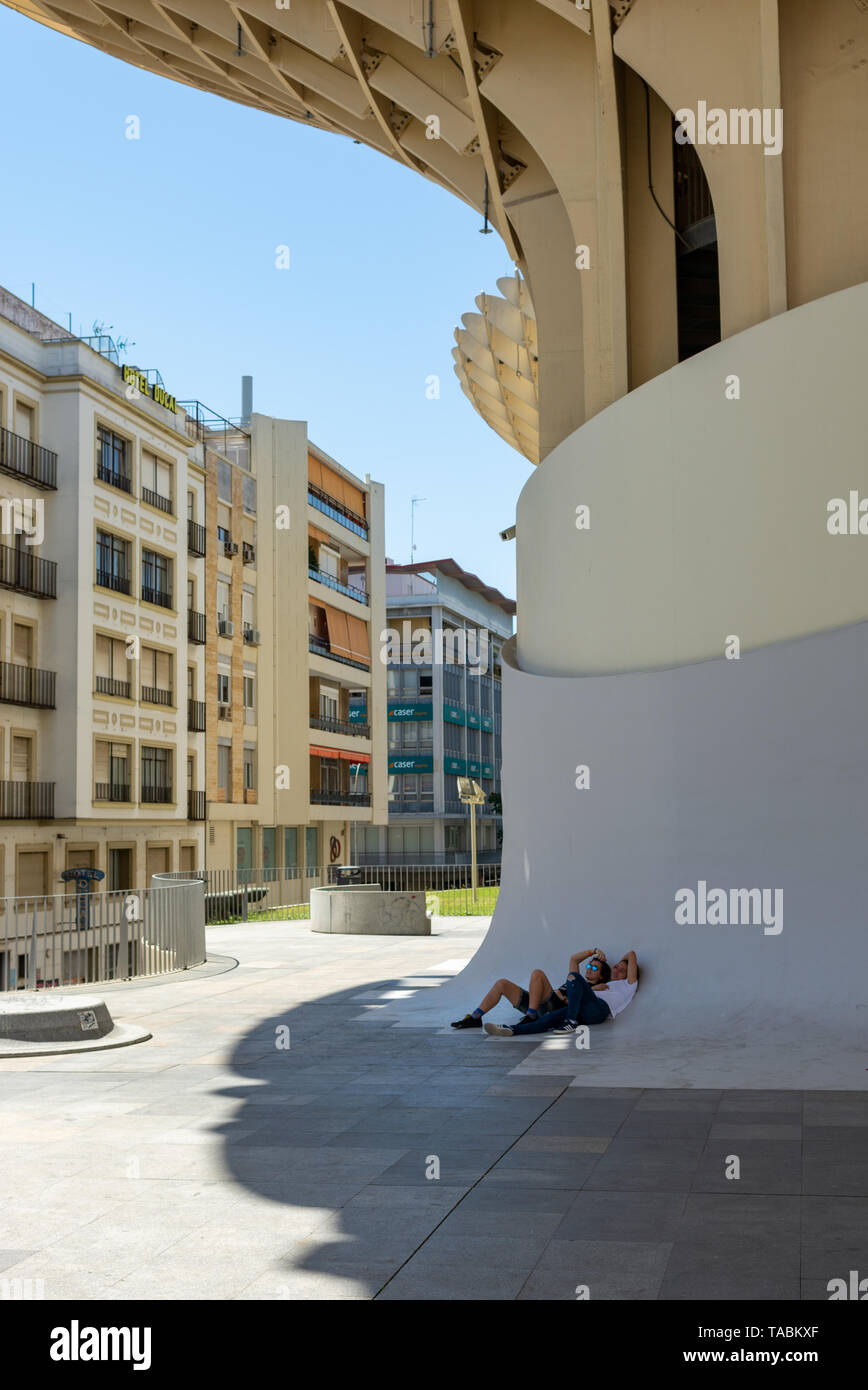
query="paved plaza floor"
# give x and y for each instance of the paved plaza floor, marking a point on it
(282, 1137)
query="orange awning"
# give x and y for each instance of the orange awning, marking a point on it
(360, 647)
(339, 633)
(317, 752)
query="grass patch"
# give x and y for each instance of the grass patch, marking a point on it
(458, 902)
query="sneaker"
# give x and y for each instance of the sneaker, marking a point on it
(566, 1027)
(498, 1030)
(468, 1021)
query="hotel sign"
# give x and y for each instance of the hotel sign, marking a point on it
(132, 377)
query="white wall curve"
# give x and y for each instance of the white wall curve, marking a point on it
(708, 515)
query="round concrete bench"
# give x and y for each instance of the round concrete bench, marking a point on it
(36, 1024)
(365, 909)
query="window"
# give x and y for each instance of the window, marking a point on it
(111, 668)
(224, 765)
(32, 873)
(111, 771)
(22, 644)
(311, 848)
(25, 421)
(329, 775)
(290, 848)
(243, 848)
(112, 459)
(120, 869)
(22, 758)
(224, 481)
(249, 683)
(248, 495)
(328, 703)
(224, 604)
(156, 578)
(113, 562)
(156, 482)
(191, 506)
(329, 562)
(249, 767)
(156, 774)
(269, 838)
(156, 675)
(224, 681)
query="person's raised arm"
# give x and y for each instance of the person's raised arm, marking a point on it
(579, 956)
(632, 967)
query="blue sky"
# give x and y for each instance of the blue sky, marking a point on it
(171, 240)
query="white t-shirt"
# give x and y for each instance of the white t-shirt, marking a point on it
(618, 994)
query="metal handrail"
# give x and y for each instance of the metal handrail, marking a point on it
(24, 459)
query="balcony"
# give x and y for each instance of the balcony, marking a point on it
(161, 597)
(153, 695)
(340, 726)
(25, 685)
(118, 582)
(196, 626)
(196, 538)
(196, 716)
(112, 791)
(321, 648)
(153, 796)
(114, 477)
(22, 570)
(330, 506)
(332, 582)
(107, 685)
(154, 499)
(195, 805)
(24, 459)
(338, 798)
(26, 801)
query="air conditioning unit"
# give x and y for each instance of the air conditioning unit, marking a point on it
(224, 711)
(251, 635)
(249, 554)
(225, 628)
(230, 548)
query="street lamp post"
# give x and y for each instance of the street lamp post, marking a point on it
(471, 793)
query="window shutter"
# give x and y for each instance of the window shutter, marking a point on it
(31, 874)
(164, 671)
(22, 644)
(101, 762)
(164, 479)
(102, 656)
(22, 757)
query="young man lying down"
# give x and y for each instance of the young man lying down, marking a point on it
(597, 997)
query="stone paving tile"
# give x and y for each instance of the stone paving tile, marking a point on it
(623, 1216)
(607, 1269)
(434, 1281)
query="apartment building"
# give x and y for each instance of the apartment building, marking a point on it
(445, 632)
(294, 591)
(95, 751)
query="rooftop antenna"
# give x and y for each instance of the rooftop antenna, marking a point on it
(414, 502)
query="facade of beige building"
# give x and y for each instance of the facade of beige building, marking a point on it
(160, 694)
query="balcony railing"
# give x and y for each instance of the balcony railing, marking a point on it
(322, 577)
(107, 685)
(24, 459)
(114, 477)
(156, 795)
(112, 791)
(196, 538)
(340, 726)
(153, 695)
(155, 499)
(162, 597)
(338, 798)
(330, 506)
(118, 582)
(195, 805)
(26, 801)
(25, 685)
(321, 648)
(196, 716)
(26, 572)
(196, 626)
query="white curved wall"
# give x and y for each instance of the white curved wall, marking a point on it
(708, 515)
